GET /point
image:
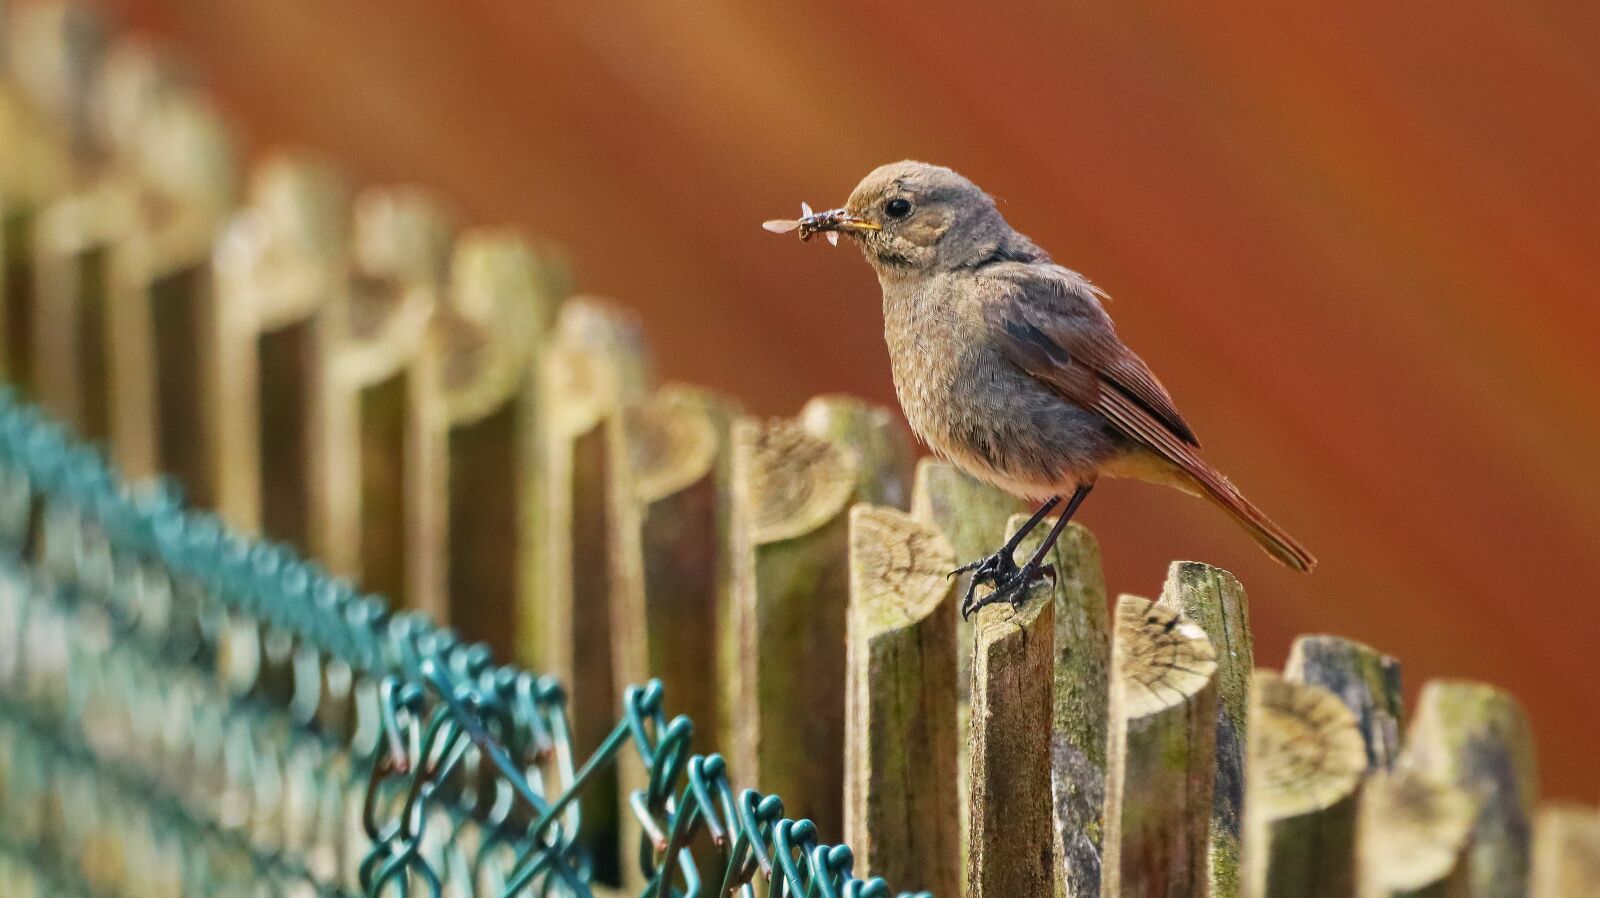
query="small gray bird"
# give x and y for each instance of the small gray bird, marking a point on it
(1006, 364)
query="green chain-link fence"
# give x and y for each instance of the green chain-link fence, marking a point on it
(184, 711)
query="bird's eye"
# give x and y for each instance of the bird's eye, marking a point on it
(899, 207)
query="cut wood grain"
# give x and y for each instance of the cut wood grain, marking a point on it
(1413, 837)
(791, 495)
(1160, 753)
(874, 438)
(900, 705)
(1476, 737)
(1367, 681)
(1305, 762)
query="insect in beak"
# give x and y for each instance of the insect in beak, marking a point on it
(831, 222)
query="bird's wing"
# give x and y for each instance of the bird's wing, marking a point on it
(1047, 322)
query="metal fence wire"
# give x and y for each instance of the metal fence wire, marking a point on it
(184, 711)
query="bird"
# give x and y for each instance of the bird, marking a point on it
(1007, 364)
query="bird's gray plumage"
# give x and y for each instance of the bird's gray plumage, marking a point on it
(1007, 364)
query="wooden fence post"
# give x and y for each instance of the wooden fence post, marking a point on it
(160, 299)
(1214, 599)
(1078, 729)
(791, 493)
(670, 560)
(1011, 846)
(472, 400)
(671, 555)
(368, 341)
(1160, 753)
(874, 439)
(900, 704)
(1413, 836)
(278, 265)
(594, 366)
(1566, 851)
(38, 169)
(1476, 737)
(1304, 764)
(1366, 681)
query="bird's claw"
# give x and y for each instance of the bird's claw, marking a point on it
(1012, 588)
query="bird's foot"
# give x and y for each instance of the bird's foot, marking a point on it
(1012, 589)
(994, 569)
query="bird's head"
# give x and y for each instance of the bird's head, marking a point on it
(912, 216)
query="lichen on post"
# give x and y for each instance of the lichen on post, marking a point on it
(1010, 843)
(1367, 681)
(1078, 724)
(1476, 737)
(1160, 753)
(900, 804)
(1304, 764)
(791, 495)
(1214, 599)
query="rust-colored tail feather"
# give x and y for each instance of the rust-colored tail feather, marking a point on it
(1274, 539)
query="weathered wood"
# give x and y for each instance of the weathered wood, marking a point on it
(791, 493)
(472, 398)
(36, 172)
(875, 440)
(1367, 681)
(1304, 764)
(1214, 599)
(1566, 851)
(1160, 753)
(1413, 836)
(1010, 849)
(57, 50)
(1078, 725)
(669, 565)
(900, 704)
(671, 557)
(969, 514)
(369, 339)
(594, 366)
(277, 266)
(1476, 737)
(160, 299)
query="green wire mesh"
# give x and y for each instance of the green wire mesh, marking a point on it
(184, 711)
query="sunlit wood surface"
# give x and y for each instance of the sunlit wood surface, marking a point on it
(1360, 241)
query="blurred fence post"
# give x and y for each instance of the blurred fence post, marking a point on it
(1413, 837)
(368, 343)
(279, 266)
(1366, 681)
(1304, 766)
(791, 496)
(470, 411)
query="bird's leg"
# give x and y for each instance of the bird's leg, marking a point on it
(1001, 564)
(1015, 586)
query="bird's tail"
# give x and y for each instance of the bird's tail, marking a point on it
(1274, 539)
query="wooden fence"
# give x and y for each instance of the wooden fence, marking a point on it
(432, 413)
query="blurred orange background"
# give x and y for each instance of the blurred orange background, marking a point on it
(1359, 241)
